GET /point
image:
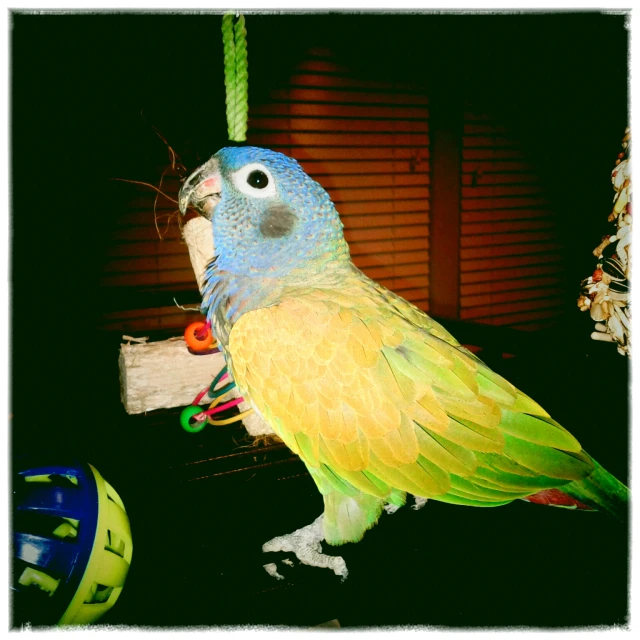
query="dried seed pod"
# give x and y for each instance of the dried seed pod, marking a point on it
(621, 202)
(606, 292)
(597, 252)
(602, 337)
(584, 303)
(597, 313)
(615, 327)
(626, 321)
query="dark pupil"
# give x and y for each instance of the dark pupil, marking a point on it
(258, 180)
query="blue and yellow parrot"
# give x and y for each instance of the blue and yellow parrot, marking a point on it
(376, 398)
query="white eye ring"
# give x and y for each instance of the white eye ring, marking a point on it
(240, 180)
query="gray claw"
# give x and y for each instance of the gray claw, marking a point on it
(305, 544)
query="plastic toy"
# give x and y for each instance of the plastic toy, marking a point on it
(199, 338)
(71, 545)
(202, 417)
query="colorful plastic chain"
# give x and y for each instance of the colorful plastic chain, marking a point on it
(199, 339)
(193, 419)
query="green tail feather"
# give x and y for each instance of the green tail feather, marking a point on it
(601, 491)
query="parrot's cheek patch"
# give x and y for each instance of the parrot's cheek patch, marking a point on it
(278, 221)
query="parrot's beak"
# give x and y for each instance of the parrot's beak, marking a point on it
(201, 190)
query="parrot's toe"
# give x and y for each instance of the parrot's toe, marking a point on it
(272, 570)
(306, 544)
(418, 503)
(391, 508)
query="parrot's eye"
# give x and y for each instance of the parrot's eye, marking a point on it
(258, 179)
(255, 180)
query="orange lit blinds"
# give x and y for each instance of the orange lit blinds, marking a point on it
(367, 143)
(511, 258)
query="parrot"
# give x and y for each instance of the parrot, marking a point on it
(377, 399)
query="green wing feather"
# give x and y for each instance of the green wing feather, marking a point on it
(378, 400)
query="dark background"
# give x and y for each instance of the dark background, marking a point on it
(78, 87)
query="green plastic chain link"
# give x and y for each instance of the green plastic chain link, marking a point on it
(236, 76)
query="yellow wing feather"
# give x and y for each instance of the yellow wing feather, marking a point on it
(368, 385)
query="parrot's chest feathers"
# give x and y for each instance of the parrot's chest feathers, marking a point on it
(228, 296)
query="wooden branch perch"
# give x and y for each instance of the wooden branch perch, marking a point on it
(161, 375)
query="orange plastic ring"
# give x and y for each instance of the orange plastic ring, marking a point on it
(192, 338)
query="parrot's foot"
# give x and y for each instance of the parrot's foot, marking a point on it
(272, 570)
(418, 503)
(306, 544)
(391, 508)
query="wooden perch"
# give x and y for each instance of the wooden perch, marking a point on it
(163, 374)
(197, 234)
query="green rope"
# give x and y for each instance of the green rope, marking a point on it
(236, 76)
(229, 45)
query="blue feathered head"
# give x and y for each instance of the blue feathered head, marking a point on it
(268, 215)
